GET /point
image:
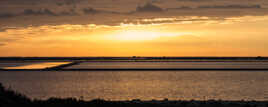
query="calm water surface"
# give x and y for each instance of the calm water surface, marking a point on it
(159, 65)
(145, 85)
(40, 65)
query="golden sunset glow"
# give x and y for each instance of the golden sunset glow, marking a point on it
(133, 35)
(143, 35)
(205, 53)
(207, 37)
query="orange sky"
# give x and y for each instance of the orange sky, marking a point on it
(133, 28)
(237, 36)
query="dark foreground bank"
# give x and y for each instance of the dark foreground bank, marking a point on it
(9, 98)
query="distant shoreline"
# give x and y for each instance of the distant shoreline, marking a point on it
(134, 58)
(167, 69)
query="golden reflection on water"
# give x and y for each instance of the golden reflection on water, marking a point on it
(144, 85)
(38, 65)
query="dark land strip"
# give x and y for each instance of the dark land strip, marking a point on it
(138, 69)
(133, 58)
(59, 67)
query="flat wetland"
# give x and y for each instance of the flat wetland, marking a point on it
(121, 86)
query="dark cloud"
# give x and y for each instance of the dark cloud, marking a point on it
(71, 12)
(38, 2)
(180, 8)
(59, 4)
(67, 13)
(231, 6)
(90, 11)
(71, 2)
(194, 0)
(156, 1)
(38, 12)
(21, 2)
(149, 8)
(114, 12)
(6, 15)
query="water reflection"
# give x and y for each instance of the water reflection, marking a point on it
(145, 85)
(38, 65)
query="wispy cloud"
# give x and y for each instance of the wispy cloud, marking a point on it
(234, 6)
(132, 22)
(2, 44)
(226, 7)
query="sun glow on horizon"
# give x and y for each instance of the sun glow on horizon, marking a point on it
(145, 35)
(135, 35)
(233, 38)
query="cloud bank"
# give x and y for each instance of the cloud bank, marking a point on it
(114, 12)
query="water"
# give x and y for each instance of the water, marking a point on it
(174, 65)
(15, 64)
(145, 85)
(40, 65)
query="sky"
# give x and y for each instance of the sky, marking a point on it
(133, 27)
